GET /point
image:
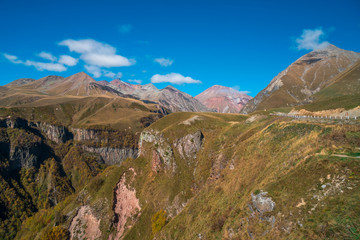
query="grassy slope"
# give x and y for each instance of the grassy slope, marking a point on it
(285, 158)
(343, 93)
(85, 112)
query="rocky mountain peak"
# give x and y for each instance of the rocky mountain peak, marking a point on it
(223, 99)
(303, 78)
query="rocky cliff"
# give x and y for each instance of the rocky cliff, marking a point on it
(112, 156)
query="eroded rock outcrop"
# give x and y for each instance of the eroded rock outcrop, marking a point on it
(161, 146)
(13, 122)
(85, 225)
(126, 205)
(85, 134)
(262, 203)
(189, 145)
(58, 134)
(156, 161)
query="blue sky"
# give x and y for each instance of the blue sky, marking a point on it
(191, 45)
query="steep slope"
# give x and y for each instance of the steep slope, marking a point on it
(204, 176)
(342, 93)
(223, 99)
(301, 80)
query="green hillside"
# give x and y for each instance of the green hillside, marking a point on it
(310, 172)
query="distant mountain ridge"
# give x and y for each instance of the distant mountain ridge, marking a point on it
(296, 85)
(169, 97)
(81, 84)
(223, 99)
(302, 79)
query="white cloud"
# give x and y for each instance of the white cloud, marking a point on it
(56, 67)
(137, 81)
(68, 60)
(98, 72)
(47, 56)
(104, 60)
(97, 56)
(94, 70)
(174, 78)
(125, 28)
(41, 66)
(97, 53)
(12, 58)
(311, 40)
(164, 61)
(112, 75)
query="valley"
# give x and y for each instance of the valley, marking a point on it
(86, 159)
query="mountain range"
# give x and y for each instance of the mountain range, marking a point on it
(296, 85)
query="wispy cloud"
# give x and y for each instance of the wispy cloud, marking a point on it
(125, 28)
(137, 81)
(311, 39)
(94, 70)
(68, 60)
(165, 62)
(174, 78)
(41, 66)
(12, 58)
(98, 72)
(47, 56)
(112, 75)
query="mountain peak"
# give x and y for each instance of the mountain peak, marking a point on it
(149, 86)
(171, 88)
(223, 99)
(303, 78)
(81, 74)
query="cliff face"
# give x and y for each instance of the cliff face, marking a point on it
(112, 146)
(25, 156)
(58, 134)
(112, 156)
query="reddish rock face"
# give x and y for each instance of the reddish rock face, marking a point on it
(156, 161)
(85, 225)
(223, 99)
(126, 205)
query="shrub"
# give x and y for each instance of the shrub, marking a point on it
(158, 221)
(56, 233)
